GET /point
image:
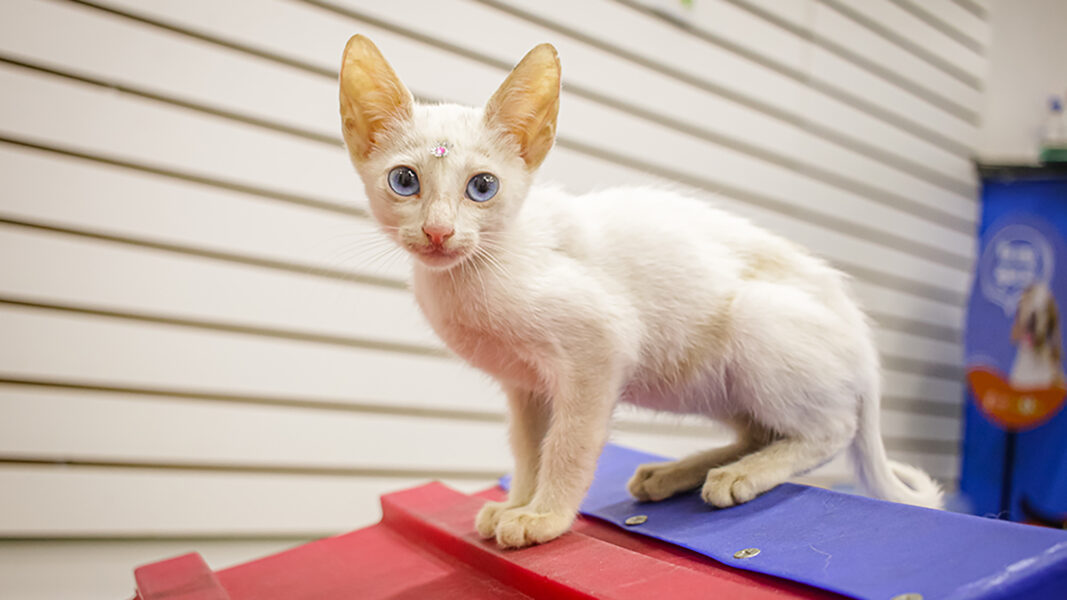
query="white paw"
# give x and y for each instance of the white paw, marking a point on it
(726, 486)
(519, 527)
(488, 517)
(653, 482)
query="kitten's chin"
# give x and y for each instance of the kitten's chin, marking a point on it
(439, 259)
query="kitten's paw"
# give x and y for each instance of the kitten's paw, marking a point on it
(726, 487)
(654, 482)
(488, 517)
(519, 527)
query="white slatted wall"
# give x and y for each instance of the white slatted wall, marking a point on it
(198, 339)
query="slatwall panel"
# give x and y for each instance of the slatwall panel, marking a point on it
(204, 336)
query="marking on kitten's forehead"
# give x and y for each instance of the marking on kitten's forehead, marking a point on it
(440, 149)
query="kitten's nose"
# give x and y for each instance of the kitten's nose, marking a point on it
(437, 234)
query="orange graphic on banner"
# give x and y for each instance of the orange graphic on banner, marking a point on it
(1010, 408)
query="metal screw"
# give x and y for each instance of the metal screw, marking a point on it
(910, 596)
(635, 520)
(747, 553)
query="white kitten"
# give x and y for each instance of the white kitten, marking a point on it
(638, 295)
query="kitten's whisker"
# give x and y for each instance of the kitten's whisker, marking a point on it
(379, 258)
(489, 255)
(361, 251)
(495, 265)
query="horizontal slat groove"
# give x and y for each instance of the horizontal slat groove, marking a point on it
(903, 325)
(352, 406)
(845, 95)
(925, 407)
(932, 214)
(900, 324)
(932, 447)
(922, 407)
(916, 10)
(157, 429)
(306, 470)
(972, 7)
(857, 145)
(694, 428)
(905, 365)
(929, 135)
(904, 444)
(334, 141)
(216, 182)
(184, 249)
(843, 52)
(923, 367)
(938, 447)
(214, 325)
(135, 502)
(918, 288)
(910, 46)
(948, 259)
(193, 537)
(271, 56)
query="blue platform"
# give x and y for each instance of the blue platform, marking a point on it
(843, 543)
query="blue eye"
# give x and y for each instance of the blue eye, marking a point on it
(404, 181)
(482, 187)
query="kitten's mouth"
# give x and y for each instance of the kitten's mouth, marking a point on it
(438, 256)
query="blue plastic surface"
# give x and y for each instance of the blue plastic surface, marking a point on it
(848, 544)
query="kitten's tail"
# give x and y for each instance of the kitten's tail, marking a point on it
(884, 478)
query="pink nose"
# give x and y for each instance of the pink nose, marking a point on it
(437, 234)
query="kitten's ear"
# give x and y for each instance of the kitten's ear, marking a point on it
(526, 104)
(372, 97)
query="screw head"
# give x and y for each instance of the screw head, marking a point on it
(746, 553)
(636, 520)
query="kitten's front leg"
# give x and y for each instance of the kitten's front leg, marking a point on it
(528, 415)
(581, 410)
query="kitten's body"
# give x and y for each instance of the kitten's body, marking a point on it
(638, 295)
(676, 286)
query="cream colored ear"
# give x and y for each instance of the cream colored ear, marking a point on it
(372, 97)
(526, 104)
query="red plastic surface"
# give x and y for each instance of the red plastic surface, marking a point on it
(426, 547)
(185, 577)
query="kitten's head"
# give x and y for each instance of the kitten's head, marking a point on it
(442, 179)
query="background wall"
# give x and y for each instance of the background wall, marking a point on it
(1026, 65)
(203, 347)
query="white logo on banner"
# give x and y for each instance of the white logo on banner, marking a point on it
(1017, 257)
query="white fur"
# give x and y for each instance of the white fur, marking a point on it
(642, 296)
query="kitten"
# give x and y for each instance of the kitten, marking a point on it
(638, 295)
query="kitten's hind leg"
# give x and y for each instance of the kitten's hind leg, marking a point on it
(657, 481)
(743, 480)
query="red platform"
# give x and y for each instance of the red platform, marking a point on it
(425, 547)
